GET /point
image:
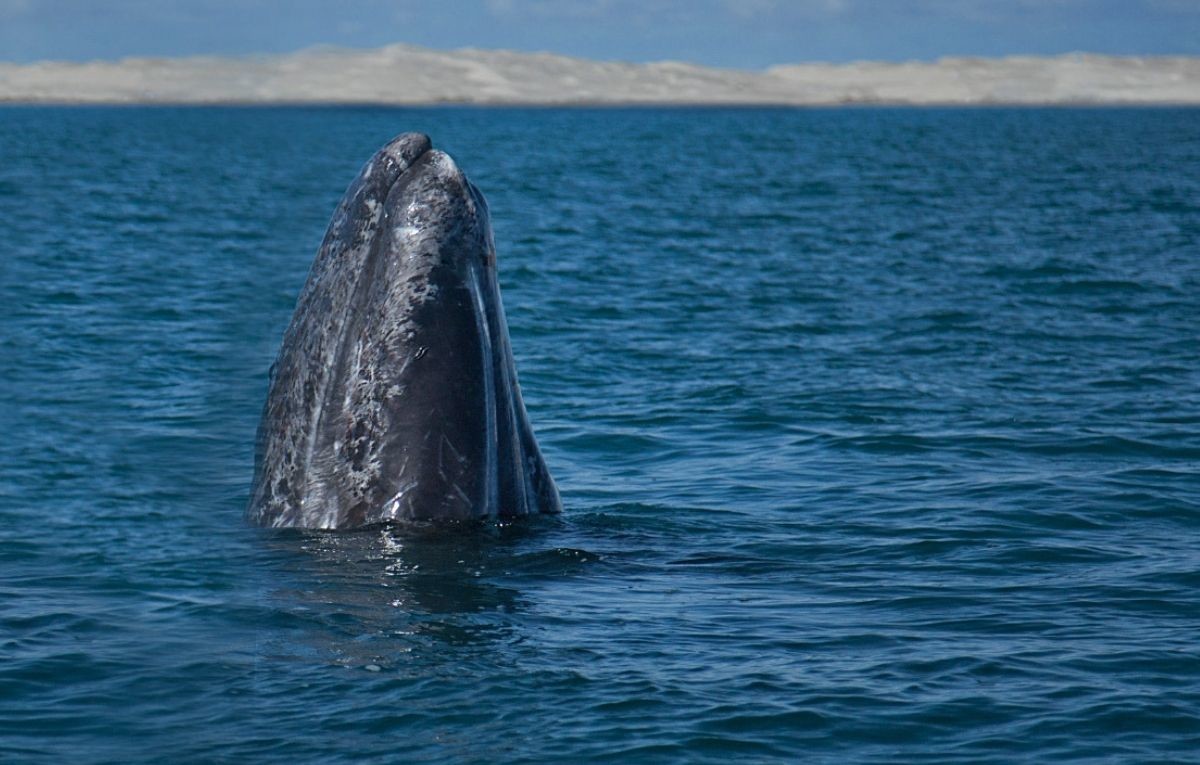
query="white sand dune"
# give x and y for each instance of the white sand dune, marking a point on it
(405, 74)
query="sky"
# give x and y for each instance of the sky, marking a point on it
(726, 33)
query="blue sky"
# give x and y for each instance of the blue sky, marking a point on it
(737, 33)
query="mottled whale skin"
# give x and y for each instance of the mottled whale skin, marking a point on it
(394, 397)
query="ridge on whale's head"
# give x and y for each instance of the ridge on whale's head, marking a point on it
(394, 396)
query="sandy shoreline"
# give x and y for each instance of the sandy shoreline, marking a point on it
(409, 75)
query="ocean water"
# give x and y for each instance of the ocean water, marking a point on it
(877, 430)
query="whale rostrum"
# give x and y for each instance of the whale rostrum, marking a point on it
(394, 396)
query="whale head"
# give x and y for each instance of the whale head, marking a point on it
(394, 396)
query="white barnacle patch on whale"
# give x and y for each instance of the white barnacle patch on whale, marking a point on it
(374, 209)
(408, 234)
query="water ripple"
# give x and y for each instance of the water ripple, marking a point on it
(878, 444)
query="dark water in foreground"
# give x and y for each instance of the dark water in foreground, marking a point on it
(878, 432)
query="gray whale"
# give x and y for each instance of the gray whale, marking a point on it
(394, 396)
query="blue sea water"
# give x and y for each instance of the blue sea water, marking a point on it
(877, 430)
